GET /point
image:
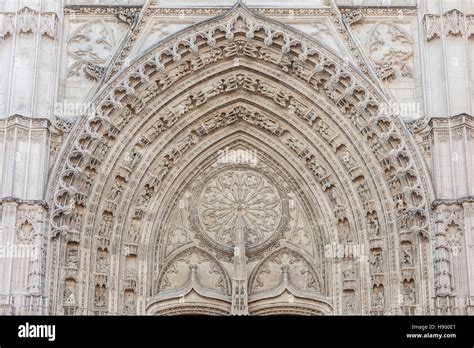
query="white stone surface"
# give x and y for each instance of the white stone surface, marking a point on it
(324, 166)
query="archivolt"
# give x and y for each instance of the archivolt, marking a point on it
(200, 88)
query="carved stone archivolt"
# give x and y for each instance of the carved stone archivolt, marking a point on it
(143, 171)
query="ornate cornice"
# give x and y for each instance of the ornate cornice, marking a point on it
(139, 21)
(169, 48)
(453, 22)
(136, 21)
(198, 11)
(452, 123)
(381, 11)
(464, 118)
(99, 9)
(20, 201)
(214, 11)
(351, 15)
(457, 201)
(440, 123)
(93, 173)
(25, 122)
(417, 125)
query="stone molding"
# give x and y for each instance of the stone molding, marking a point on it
(451, 23)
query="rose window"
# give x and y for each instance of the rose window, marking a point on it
(239, 194)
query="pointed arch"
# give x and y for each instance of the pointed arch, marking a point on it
(242, 76)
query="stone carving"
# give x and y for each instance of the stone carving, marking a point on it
(348, 160)
(392, 50)
(408, 257)
(344, 229)
(179, 148)
(115, 191)
(135, 228)
(138, 102)
(301, 239)
(160, 29)
(447, 248)
(131, 159)
(209, 272)
(90, 46)
(454, 237)
(385, 71)
(240, 233)
(432, 26)
(469, 25)
(177, 237)
(374, 227)
(349, 302)
(130, 265)
(335, 198)
(105, 226)
(27, 20)
(7, 24)
(452, 22)
(144, 198)
(240, 192)
(378, 298)
(177, 151)
(245, 114)
(25, 232)
(277, 100)
(174, 75)
(93, 71)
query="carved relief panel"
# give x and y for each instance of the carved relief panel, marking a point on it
(91, 42)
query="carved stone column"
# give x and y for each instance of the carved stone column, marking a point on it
(443, 286)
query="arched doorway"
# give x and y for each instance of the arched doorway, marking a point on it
(225, 170)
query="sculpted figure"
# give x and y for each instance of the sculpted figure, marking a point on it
(72, 256)
(115, 191)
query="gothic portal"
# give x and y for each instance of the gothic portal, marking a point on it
(238, 165)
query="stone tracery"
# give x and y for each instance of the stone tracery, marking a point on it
(285, 115)
(244, 193)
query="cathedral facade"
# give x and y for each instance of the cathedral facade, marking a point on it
(230, 157)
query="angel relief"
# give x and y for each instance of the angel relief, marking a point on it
(391, 49)
(90, 47)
